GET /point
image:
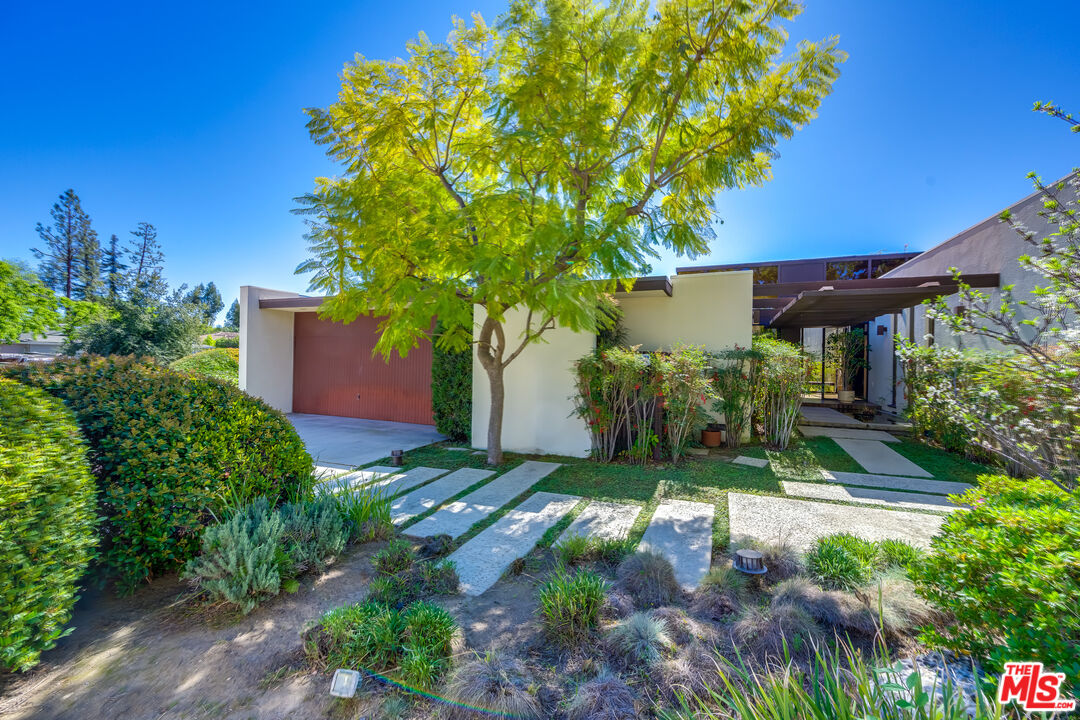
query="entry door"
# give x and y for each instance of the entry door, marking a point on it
(335, 373)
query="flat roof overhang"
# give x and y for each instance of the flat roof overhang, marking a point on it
(832, 306)
(653, 283)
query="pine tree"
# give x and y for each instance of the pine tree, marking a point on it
(145, 261)
(208, 298)
(232, 318)
(114, 269)
(70, 253)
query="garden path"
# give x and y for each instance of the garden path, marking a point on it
(457, 517)
(604, 520)
(852, 433)
(893, 482)
(868, 496)
(433, 494)
(681, 531)
(878, 458)
(481, 561)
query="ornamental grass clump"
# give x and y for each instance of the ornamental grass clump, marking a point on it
(605, 697)
(648, 578)
(842, 561)
(499, 684)
(570, 605)
(639, 641)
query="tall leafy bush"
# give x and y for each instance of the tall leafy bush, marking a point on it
(47, 521)
(735, 380)
(451, 392)
(1008, 570)
(685, 389)
(782, 382)
(171, 452)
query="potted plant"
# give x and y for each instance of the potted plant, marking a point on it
(713, 435)
(846, 351)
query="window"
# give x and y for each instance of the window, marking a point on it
(880, 267)
(764, 274)
(852, 270)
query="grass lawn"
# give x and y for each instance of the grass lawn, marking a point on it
(699, 479)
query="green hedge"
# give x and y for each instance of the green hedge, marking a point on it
(171, 451)
(451, 393)
(1008, 570)
(220, 363)
(47, 521)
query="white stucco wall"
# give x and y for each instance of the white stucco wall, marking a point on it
(714, 310)
(538, 413)
(266, 348)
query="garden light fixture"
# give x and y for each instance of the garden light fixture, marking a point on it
(750, 562)
(344, 683)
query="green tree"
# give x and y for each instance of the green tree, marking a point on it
(208, 298)
(114, 269)
(26, 305)
(144, 325)
(232, 318)
(146, 261)
(70, 253)
(537, 164)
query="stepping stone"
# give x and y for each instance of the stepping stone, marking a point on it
(356, 479)
(880, 459)
(852, 433)
(767, 518)
(751, 461)
(482, 561)
(813, 413)
(458, 449)
(457, 517)
(399, 482)
(436, 493)
(868, 496)
(682, 532)
(604, 520)
(325, 472)
(892, 482)
(698, 452)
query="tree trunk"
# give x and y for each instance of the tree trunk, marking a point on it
(489, 351)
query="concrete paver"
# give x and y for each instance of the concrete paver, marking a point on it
(852, 433)
(869, 496)
(880, 459)
(813, 413)
(751, 461)
(436, 493)
(681, 531)
(894, 482)
(334, 440)
(604, 520)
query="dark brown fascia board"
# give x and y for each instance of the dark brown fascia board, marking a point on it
(878, 302)
(694, 269)
(976, 280)
(642, 284)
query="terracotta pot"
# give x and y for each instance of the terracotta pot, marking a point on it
(712, 438)
(846, 396)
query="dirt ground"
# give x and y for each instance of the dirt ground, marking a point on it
(159, 654)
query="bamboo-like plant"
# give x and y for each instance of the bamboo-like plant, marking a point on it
(783, 380)
(846, 351)
(686, 389)
(735, 377)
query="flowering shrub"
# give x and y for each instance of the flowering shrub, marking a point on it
(735, 378)
(620, 391)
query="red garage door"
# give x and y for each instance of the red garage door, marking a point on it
(334, 373)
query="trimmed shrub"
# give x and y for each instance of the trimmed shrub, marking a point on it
(47, 522)
(171, 452)
(451, 392)
(314, 534)
(414, 644)
(215, 363)
(242, 561)
(1007, 570)
(607, 697)
(639, 641)
(570, 605)
(842, 561)
(228, 343)
(494, 682)
(649, 579)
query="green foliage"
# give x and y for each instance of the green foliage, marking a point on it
(451, 392)
(69, 251)
(228, 342)
(570, 605)
(640, 640)
(837, 684)
(577, 549)
(842, 561)
(1007, 571)
(215, 363)
(499, 684)
(143, 325)
(897, 554)
(686, 389)
(366, 514)
(171, 451)
(208, 299)
(782, 382)
(26, 305)
(232, 318)
(397, 556)
(735, 381)
(314, 533)
(846, 351)
(421, 580)
(412, 645)
(47, 522)
(242, 561)
(512, 165)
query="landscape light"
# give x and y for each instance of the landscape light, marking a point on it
(344, 683)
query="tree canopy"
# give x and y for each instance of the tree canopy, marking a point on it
(26, 305)
(539, 162)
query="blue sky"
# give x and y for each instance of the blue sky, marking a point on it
(189, 116)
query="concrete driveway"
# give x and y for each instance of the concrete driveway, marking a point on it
(350, 442)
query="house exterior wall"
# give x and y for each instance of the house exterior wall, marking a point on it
(538, 412)
(714, 310)
(989, 247)
(266, 348)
